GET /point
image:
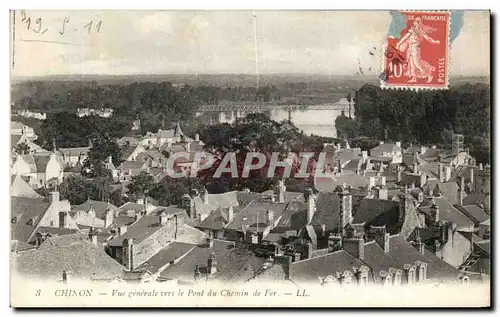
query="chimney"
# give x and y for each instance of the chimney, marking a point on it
(372, 182)
(404, 205)
(334, 242)
(345, 209)
(311, 205)
(412, 185)
(415, 167)
(137, 215)
(398, 143)
(230, 214)
(382, 192)
(381, 142)
(281, 191)
(270, 218)
(399, 176)
(480, 166)
(471, 175)
(355, 247)
(197, 273)
(339, 164)
(163, 219)
(93, 235)
(122, 230)
(54, 145)
(382, 180)
(418, 244)
(66, 276)
(205, 196)
(433, 147)
(109, 218)
(211, 264)
(296, 257)
(209, 243)
(197, 137)
(128, 254)
(382, 238)
(54, 197)
(364, 156)
(441, 173)
(188, 205)
(140, 201)
(461, 192)
(435, 213)
(447, 171)
(309, 250)
(339, 146)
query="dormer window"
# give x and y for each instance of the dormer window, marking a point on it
(14, 220)
(422, 272)
(30, 222)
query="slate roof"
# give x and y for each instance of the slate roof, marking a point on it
(474, 213)
(184, 269)
(168, 255)
(75, 151)
(25, 209)
(328, 184)
(100, 207)
(449, 190)
(327, 211)
(133, 165)
(310, 269)
(19, 246)
(61, 238)
(386, 147)
(149, 224)
(256, 210)
(448, 212)
(238, 266)
(19, 188)
(82, 258)
(402, 252)
(218, 219)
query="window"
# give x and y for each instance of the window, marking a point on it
(397, 278)
(465, 280)
(14, 220)
(388, 280)
(51, 223)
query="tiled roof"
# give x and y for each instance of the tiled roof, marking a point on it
(82, 258)
(310, 270)
(61, 238)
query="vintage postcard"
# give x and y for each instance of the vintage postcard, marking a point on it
(250, 158)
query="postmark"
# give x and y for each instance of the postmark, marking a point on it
(419, 57)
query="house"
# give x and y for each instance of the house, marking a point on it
(447, 157)
(17, 128)
(39, 170)
(32, 148)
(200, 205)
(130, 152)
(73, 156)
(28, 214)
(153, 157)
(170, 136)
(128, 169)
(445, 242)
(213, 225)
(94, 213)
(127, 141)
(66, 260)
(138, 242)
(390, 151)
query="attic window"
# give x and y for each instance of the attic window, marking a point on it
(14, 220)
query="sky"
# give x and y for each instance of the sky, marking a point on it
(217, 42)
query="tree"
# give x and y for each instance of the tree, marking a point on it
(141, 184)
(78, 189)
(21, 148)
(102, 148)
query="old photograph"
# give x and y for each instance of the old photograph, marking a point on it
(250, 158)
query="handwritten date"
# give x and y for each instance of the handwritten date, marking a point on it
(65, 27)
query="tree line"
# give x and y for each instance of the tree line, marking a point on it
(423, 117)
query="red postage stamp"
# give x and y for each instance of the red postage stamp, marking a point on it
(418, 58)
